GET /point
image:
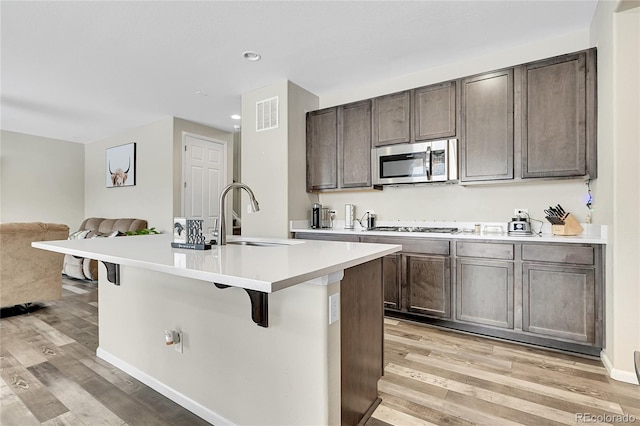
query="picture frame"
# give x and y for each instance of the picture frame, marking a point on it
(120, 167)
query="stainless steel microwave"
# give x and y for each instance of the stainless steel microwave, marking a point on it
(435, 161)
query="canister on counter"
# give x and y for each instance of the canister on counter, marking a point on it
(349, 216)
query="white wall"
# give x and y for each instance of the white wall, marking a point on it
(41, 180)
(493, 203)
(274, 161)
(157, 195)
(617, 190)
(152, 198)
(300, 102)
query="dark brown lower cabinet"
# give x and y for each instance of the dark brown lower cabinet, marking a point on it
(539, 293)
(484, 291)
(559, 302)
(361, 340)
(429, 285)
(391, 278)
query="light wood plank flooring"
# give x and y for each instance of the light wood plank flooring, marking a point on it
(49, 375)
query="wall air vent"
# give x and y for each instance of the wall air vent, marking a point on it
(267, 114)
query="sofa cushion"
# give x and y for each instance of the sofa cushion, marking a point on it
(98, 227)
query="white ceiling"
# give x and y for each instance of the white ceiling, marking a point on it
(81, 71)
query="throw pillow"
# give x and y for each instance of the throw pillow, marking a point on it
(107, 234)
(78, 235)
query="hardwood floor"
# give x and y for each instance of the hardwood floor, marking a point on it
(434, 376)
(49, 375)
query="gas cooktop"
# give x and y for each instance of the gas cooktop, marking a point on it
(415, 229)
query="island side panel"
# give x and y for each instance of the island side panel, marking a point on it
(231, 370)
(362, 339)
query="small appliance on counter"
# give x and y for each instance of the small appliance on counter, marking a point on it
(315, 216)
(371, 221)
(519, 226)
(349, 216)
(326, 218)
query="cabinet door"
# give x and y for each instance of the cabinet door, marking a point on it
(435, 111)
(391, 281)
(484, 292)
(554, 127)
(392, 119)
(322, 149)
(486, 142)
(355, 145)
(559, 302)
(429, 285)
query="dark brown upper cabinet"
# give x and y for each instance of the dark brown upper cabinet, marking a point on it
(558, 117)
(487, 134)
(322, 149)
(339, 147)
(392, 119)
(354, 142)
(435, 111)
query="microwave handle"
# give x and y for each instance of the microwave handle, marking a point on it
(427, 163)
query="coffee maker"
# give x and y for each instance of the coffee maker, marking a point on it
(316, 211)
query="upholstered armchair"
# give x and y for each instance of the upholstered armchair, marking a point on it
(29, 274)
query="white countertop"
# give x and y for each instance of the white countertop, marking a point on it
(593, 234)
(266, 269)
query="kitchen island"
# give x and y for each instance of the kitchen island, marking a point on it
(314, 358)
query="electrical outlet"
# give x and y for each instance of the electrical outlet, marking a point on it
(178, 345)
(334, 308)
(520, 212)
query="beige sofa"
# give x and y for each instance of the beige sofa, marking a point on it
(87, 269)
(28, 274)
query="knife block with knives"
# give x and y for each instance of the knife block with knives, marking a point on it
(570, 226)
(562, 223)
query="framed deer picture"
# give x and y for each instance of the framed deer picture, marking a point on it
(121, 165)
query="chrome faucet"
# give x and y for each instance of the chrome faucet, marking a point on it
(221, 237)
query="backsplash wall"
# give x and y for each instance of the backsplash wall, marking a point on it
(495, 203)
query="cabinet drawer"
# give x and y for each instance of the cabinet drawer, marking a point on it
(559, 253)
(484, 250)
(413, 245)
(326, 237)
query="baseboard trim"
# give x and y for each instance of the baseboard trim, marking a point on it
(616, 373)
(177, 397)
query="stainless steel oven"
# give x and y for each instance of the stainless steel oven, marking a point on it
(435, 161)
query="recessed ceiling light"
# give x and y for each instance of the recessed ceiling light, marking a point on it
(201, 93)
(236, 117)
(251, 56)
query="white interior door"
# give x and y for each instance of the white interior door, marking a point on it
(205, 175)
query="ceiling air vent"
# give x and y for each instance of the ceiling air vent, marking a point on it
(267, 114)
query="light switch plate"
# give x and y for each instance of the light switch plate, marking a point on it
(334, 308)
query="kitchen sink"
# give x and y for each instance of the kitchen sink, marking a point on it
(258, 243)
